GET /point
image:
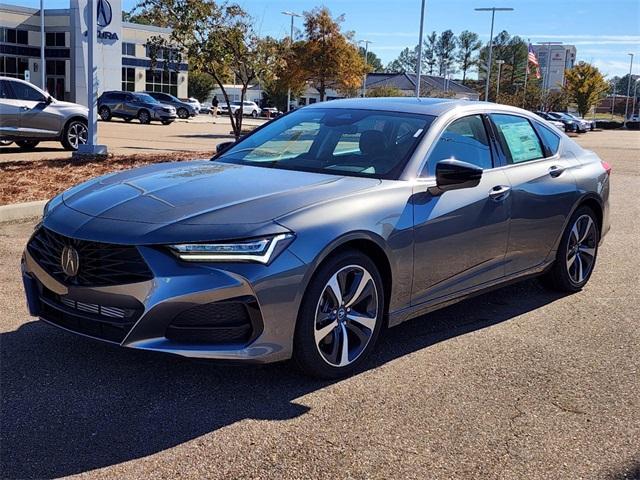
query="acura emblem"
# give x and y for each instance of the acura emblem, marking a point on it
(104, 13)
(70, 261)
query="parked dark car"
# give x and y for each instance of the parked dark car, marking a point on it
(29, 116)
(130, 105)
(579, 126)
(310, 235)
(184, 110)
(569, 124)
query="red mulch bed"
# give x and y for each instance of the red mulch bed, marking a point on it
(25, 180)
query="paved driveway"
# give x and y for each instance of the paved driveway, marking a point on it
(517, 384)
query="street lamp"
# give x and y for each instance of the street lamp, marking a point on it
(43, 62)
(626, 105)
(493, 11)
(292, 15)
(366, 64)
(499, 62)
(419, 66)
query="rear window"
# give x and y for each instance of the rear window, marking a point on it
(550, 138)
(517, 138)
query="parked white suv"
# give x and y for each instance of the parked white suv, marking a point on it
(248, 108)
(29, 116)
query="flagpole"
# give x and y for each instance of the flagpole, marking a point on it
(526, 75)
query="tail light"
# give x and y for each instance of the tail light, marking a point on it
(606, 166)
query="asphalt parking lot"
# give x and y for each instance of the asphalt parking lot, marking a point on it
(520, 383)
(201, 133)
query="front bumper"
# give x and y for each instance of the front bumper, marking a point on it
(164, 115)
(152, 306)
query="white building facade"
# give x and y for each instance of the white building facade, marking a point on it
(122, 61)
(562, 57)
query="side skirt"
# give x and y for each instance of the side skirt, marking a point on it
(413, 311)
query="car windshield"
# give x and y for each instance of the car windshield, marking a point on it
(368, 143)
(143, 97)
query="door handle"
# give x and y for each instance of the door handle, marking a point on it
(499, 192)
(24, 107)
(555, 171)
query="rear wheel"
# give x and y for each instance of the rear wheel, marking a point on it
(105, 113)
(27, 144)
(75, 133)
(577, 253)
(340, 317)
(144, 117)
(254, 114)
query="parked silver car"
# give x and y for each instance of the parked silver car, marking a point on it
(29, 116)
(311, 234)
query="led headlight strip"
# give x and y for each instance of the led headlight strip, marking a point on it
(260, 250)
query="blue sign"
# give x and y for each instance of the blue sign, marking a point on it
(105, 13)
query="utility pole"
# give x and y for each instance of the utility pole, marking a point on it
(292, 15)
(493, 11)
(626, 105)
(499, 62)
(419, 66)
(43, 62)
(366, 63)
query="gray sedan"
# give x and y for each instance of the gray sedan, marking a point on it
(308, 236)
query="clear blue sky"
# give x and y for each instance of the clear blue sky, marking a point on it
(603, 31)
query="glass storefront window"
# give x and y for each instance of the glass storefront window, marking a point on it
(128, 79)
(162, 81)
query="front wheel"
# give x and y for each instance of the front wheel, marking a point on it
(75, 134)
(254, 114)
(105, 114)
(577, 252)
(183, 113)
(340, 317)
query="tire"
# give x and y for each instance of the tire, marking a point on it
(127, 119)
(105, 113)
(167, 122)
(183, 113)
(75, 133)
(254, 114)
(144, 117)
(321, 355)
(27, 144)
(577, 253)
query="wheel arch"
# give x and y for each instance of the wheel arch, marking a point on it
(590, 200)
(71, 119)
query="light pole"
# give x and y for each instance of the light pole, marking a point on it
(292, 15)
(635, 94)
(613, 102)
(366, 64)
(419, 66)
(499, 62)
(493, 11)
(626, 105)
(43, 63)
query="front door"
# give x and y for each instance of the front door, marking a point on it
(9, 108)
(461, 235)
(36, 117)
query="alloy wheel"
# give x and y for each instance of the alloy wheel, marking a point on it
(77, 134)
(581, 251)
(346, 315)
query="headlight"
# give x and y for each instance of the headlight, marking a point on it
(261, 250)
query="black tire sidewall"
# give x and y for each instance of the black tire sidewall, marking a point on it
(305, 352)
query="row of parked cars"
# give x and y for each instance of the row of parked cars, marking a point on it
(568, 122)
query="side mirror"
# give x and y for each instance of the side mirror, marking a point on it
(48, 99)
(453, 174)
(221, 147)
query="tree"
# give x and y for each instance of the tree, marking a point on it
(445, 52)
(373, 61)
(218, 40)
(585, 85)
(200, 85)
(405, 63)
(287, 75)
(468, 43)
(384, 91)
(429, 49)
(326, 57)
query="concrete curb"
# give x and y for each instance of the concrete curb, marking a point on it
(20, 211)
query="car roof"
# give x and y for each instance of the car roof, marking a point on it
(425, 106)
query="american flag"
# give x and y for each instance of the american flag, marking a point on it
(531, 57)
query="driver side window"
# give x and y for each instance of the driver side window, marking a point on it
(22, 91)
(466, 140)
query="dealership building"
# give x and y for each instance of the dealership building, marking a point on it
(122, 61)
(554, 59)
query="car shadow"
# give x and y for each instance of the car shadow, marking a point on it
(205, 135)
(15, 150)
(70, 405)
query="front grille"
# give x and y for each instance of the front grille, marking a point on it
(232, 321)
(104, 322)
(101, 264)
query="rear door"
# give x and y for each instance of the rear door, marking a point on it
(9, 108)
(461, 235)
(543, 189)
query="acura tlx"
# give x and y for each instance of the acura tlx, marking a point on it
(306, 238)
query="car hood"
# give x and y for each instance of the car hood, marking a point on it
(207, 198)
